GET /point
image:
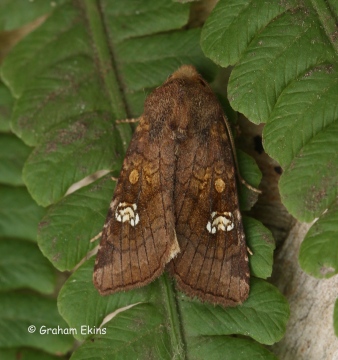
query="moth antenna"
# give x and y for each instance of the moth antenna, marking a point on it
(127, 121)
(232, 142)
(96, 237)
(249, 250)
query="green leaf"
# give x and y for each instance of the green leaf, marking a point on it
(255, 79)
(19, 214)
(262, 245)
(215, 348)
(6, 104)
(23, 266)
(92, 311)
(27, 354)
(67, 228)
(8, 354)
(235, 17)
(312, 155)
(13, 154)
(250, 172)
(318, 254)
(304, 108)
(138, 333)
(138, 19)
(146, 327)
(18, 312)
(11, 18)
(317, 161)
(263, 316)
(52, 167)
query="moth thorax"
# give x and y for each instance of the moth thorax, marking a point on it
(223, 221)
(127, 212)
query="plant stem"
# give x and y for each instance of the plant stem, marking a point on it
(173, 316)
(105, 62)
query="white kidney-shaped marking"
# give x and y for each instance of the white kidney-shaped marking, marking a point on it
(220, 221)
(127, 212)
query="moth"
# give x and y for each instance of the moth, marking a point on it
(175, 204)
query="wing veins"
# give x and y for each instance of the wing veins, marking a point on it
(208, 242)
(185, 193)
(213, 257)
(196, 247)
(187, 243)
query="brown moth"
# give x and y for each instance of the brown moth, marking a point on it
(176, 200)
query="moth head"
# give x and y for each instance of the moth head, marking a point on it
(185, 71)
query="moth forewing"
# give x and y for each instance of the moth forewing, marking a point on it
(212, 264)
(139, 237)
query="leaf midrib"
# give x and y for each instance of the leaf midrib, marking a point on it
(105, 64)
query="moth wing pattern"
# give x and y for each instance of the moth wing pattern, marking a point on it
(176, 200)
(213, 262)
(139, 237)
